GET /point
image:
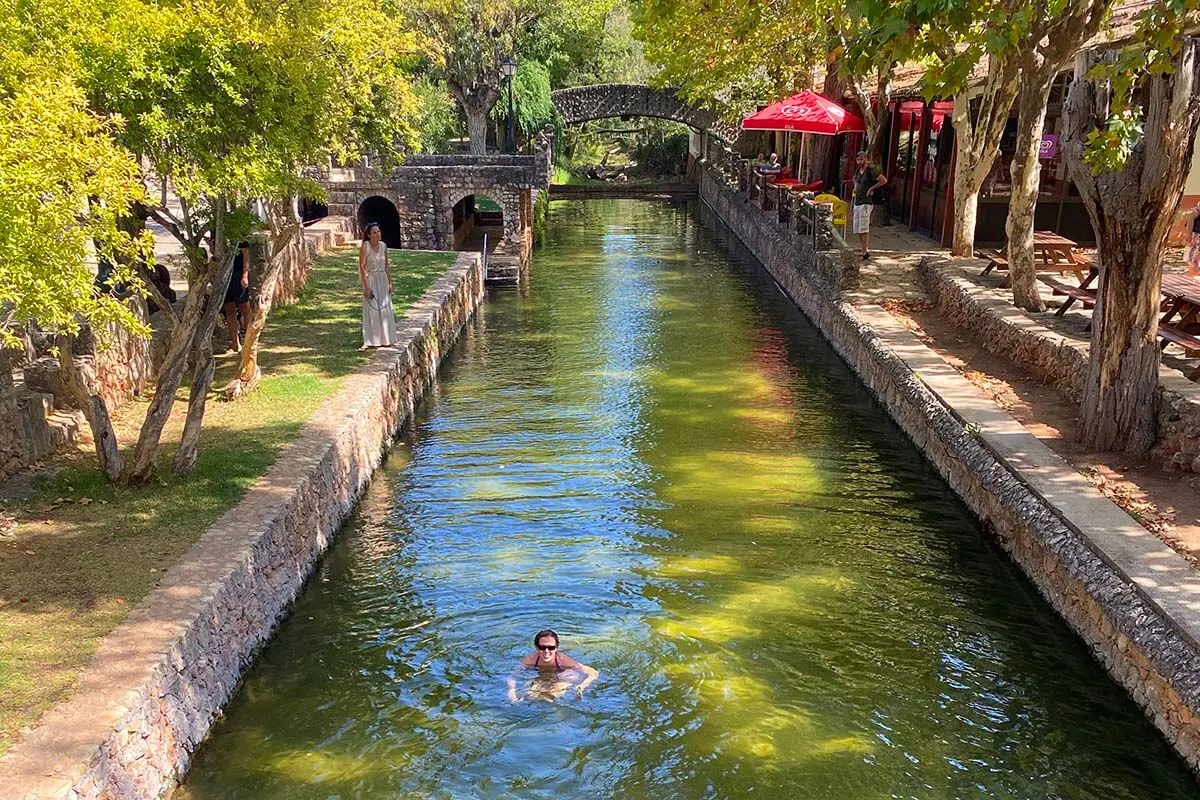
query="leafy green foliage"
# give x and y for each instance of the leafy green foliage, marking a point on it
(1158, 37)
(439, 120)
(468, 41)
(732, 56)
(63, 183)
(531, 85)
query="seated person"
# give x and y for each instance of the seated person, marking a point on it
(556, 671)
(772, 167)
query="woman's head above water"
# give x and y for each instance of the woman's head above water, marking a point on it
(546, 643)
(548, 659)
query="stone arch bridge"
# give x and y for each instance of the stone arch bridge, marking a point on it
(606, 100)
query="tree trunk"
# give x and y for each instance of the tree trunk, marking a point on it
(203, 367)
(80, 378)
(966, 211)
(978, 143)
(1120, 397)
(212, 275)
(1037, 76)
(1131, 209)
(476, 102)
(477, 130)
(284, 243)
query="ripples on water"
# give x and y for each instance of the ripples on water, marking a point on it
(650, 452)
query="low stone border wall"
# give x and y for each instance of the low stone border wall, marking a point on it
(1008, 332)
(1144, 648)
(159, 680)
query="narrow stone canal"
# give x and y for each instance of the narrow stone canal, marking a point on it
(649, 451)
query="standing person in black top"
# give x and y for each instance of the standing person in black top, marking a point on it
(237, 296)
(867, 181)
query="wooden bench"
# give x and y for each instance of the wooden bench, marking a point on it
(996, 261)
(1072, 293)
(1172, 335)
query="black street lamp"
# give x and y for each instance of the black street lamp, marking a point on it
(509, 68)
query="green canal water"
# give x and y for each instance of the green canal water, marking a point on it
(649, 451)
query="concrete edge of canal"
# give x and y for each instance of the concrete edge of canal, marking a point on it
(1133, 600)
(158, 682)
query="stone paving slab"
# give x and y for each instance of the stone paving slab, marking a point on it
(1164, 576)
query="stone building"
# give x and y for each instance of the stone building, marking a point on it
(449, 202)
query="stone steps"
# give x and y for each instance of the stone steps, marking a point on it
(503, 271)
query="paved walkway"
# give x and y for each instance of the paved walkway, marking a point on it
(891, 272)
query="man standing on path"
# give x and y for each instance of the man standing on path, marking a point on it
(867, 181)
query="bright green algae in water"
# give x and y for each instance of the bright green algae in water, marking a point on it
(649, 451)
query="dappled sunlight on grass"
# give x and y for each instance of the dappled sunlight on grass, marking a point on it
(86, 552)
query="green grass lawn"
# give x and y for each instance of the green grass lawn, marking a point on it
(83, 553)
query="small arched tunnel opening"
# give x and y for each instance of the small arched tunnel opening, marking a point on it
(475, 217)
(381, 211)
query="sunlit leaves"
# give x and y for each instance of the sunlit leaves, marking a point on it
(1157, 40)
(63, 183)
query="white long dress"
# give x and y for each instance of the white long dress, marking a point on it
(379, 320)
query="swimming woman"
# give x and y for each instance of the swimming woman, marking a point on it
(556, 670)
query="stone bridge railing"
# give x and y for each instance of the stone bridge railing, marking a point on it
(603, 101)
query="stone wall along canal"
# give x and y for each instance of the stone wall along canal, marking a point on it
(649, 450)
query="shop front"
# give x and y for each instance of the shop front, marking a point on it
(920, 168)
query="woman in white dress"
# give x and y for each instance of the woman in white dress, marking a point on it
(379, 321)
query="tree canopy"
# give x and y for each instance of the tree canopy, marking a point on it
(64, 182)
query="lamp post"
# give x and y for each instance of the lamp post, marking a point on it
(509, 68)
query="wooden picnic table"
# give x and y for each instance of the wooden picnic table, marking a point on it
(1180, 321)
(1051, 251)
(1084, 292)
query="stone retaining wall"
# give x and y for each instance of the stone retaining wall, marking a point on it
(1060, 360)
(159, 680)
(777, 246)
(1140, 646)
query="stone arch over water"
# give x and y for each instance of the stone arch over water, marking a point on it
(603, 101)
(382, 211)
(495, 210)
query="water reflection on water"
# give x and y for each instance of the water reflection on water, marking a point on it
(651, 453)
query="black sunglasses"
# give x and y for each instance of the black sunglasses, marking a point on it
(547, 647)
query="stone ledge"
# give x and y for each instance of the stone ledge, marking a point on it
(159, 680)
(1011, 333)
(1128, 600)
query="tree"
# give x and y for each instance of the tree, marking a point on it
(471, 40)
(1129, 139)
(64, 184)
(733, 56)
(1056, 33)
(226, 102)
(285, 245)
(531, 99)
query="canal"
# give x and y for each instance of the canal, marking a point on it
(650, 451)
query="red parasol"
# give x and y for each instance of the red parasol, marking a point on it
(807, 112)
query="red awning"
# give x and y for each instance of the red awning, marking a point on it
(807, 112)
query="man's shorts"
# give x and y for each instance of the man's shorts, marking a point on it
(862, 218)
(234, 293)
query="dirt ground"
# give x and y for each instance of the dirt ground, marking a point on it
(1166, 503)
